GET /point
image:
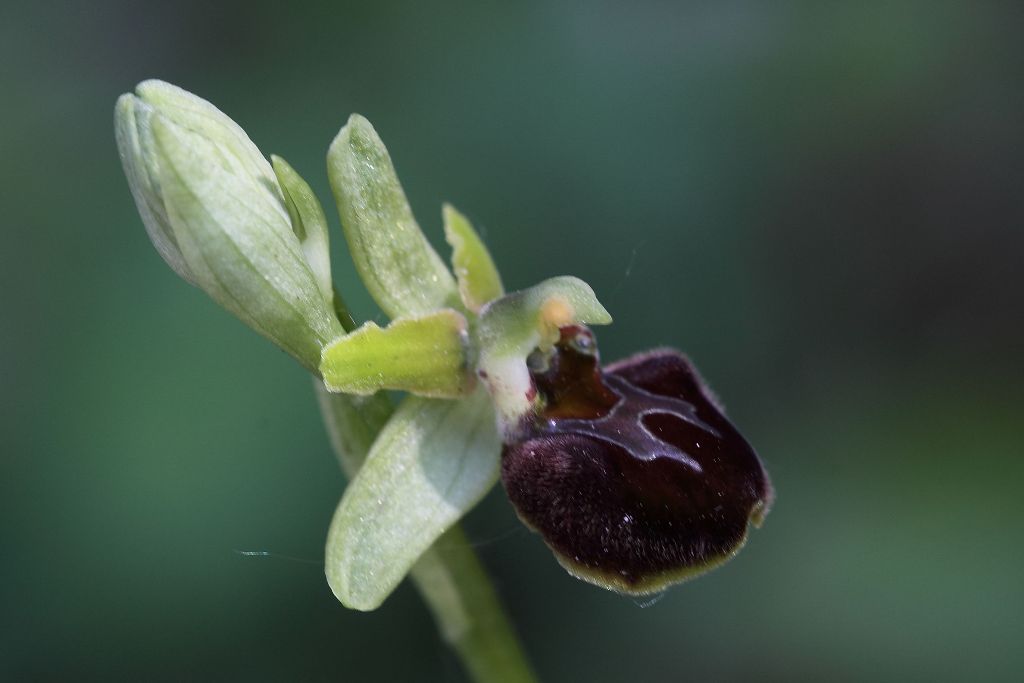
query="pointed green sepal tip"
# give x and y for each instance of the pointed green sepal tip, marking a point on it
(478, 278)
(425, 356)
(308, 223)
(431, 463)
(399, 267)
(214, 210)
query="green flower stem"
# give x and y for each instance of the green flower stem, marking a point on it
(468, 613)
(449, 576)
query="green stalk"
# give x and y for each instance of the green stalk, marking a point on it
(449, 576)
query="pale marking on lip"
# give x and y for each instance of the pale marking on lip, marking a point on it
(620, 425)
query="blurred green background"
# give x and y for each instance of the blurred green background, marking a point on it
(821, 204)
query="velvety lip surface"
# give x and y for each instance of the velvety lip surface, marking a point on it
(632, 474)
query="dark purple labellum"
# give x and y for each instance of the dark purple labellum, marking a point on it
(631, 473)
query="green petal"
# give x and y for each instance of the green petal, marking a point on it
(431, 463)
(308, 223)
(402, 272)
(513, 326)
(425, 355)
(479, 281)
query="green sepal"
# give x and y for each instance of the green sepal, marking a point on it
(432, 462)
(426, 356)
(478, 278)
(308, 222)
(400, 269)
(513, 326)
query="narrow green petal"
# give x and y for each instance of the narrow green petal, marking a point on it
(431, 463)
(308, 223)
(425, 355)
(513, 326)
(402, 272)
(235, 236)
(479, 281)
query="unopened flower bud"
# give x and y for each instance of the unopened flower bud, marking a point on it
(215, 212)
